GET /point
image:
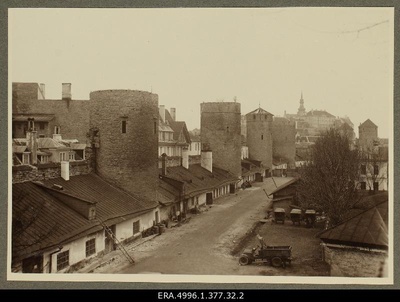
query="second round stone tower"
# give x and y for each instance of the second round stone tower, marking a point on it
(259, 136)
(125, 123)
(220, 132)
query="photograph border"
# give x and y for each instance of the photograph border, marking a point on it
(100, 281)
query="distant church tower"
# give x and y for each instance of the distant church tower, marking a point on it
(301, 111)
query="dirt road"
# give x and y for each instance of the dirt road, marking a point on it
(204, 245)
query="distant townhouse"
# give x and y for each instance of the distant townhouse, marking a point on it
(374, 169)
(173, 136)
(51, 116)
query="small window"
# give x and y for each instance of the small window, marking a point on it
(262, 136)
(90, 247)
(363, 185)
(155, 127)
(123, 127)
(71, 156)
(62, 260)
(363, 169)
(25, 158)
(376, 186)
(376, 169)
(63, 156)
(41, 126)
(254, 116)
(136, 227)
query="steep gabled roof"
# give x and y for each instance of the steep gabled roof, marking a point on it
(368, 124)
(178, 127)
(367, 229)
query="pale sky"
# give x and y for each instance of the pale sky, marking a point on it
(341, 58)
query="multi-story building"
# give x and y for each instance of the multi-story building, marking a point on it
(374, 158)
(173, 136)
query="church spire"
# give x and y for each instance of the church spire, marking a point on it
(301, 110)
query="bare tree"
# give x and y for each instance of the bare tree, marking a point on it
(329, 181)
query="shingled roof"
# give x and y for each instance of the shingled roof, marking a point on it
(368, 229)
(53, 223)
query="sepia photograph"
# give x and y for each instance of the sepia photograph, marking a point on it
(217, 145)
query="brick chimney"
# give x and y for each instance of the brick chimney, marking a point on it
(66, 91)
(161, 109)
(164, 164)
(185, 158)
(206, 160)
(65, 170)
(173, 113)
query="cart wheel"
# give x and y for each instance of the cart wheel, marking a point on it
(244, 260)
(276, 262)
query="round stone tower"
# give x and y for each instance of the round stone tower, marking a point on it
(125, 123)
(220, 132)
(259, 136)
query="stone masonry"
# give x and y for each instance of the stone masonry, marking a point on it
(259, 137)
(220, 132)
(128, 160)
(284, 140)
(72, 116)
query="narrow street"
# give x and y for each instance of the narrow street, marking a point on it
(203, 245)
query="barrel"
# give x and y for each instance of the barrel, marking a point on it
(162, 228)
